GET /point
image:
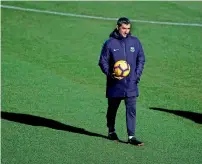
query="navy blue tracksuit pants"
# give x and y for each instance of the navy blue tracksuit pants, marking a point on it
(113, 105)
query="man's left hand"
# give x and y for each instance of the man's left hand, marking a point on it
(117, 77)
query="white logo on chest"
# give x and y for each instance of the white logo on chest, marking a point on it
(132, 49)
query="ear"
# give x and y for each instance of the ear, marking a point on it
(117, 27)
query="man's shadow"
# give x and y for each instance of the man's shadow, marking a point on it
(196, 117)
(44, 122)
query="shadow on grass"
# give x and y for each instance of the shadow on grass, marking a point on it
(44, 122)
(196, 117)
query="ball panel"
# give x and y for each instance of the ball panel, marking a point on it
(124, 66)
(117, 71)
(125, 73)
(118, 63)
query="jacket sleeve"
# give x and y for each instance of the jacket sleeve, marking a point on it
(140, 62)
(104, 59)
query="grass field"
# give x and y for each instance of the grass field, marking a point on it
(52, 87)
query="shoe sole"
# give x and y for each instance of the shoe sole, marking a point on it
(142, 144)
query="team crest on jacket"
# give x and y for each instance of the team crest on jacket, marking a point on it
(132, 49)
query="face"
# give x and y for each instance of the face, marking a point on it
(124, 29)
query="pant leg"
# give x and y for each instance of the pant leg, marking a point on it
(130, 103)
(113, 105)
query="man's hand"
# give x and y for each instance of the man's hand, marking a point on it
(116, 77)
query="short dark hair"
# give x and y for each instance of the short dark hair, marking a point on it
(123, 20)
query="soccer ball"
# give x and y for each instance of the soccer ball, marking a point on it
(121, 68)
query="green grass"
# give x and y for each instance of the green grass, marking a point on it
(167, 11)
(49, 69)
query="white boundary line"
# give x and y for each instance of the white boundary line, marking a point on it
(96, 17)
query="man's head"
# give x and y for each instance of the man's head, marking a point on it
(123, 26)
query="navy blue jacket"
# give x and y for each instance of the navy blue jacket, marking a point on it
(120, 48)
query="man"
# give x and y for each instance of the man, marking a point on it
(122, 46)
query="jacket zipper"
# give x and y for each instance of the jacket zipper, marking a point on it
(124, 47)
